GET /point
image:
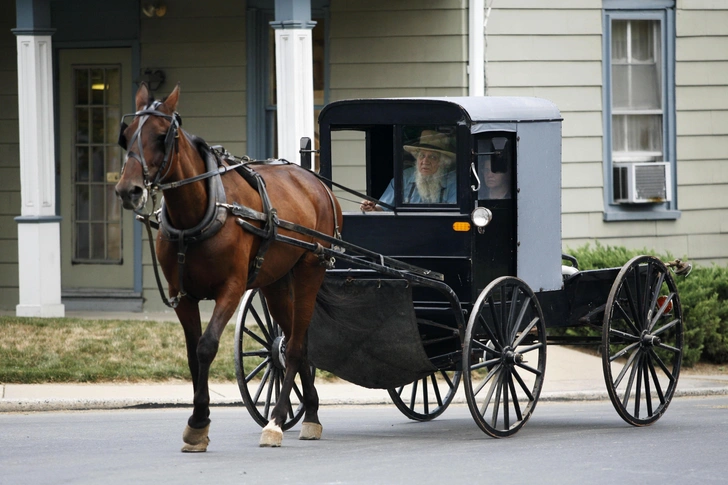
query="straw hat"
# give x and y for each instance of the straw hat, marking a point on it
(433, 141)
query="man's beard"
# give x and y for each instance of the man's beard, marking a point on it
(430, 186)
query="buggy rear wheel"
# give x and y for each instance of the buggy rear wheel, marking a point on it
(426, 398)
(504, 356)
(642, 338)
(260, 362)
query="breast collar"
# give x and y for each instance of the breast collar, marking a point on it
(215, 215)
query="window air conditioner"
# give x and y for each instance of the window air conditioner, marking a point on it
(642, 183)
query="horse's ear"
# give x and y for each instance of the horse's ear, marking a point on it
(170, 102)
(142, 96)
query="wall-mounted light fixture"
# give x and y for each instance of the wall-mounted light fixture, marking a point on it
(154, 9)
(153, 78)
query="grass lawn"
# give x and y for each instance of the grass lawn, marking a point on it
(37, 350)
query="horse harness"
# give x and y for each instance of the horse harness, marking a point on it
(217, 206)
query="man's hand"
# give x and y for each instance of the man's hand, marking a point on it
(369, 206)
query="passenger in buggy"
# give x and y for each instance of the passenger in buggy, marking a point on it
(431, 180)
(497, 184)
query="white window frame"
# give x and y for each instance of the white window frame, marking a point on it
(664, 12)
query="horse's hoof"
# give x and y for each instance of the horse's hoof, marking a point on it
(196, 440)
(272, 435)
(310, 431)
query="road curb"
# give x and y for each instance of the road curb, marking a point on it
(46, 405)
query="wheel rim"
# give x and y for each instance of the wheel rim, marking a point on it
(427, 398)
(260, 362)
(504, 356)
(642, 339)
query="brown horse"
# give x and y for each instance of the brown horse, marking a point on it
(206, 253)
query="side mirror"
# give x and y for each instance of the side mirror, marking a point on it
(305, 152)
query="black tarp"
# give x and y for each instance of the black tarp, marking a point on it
(365, 331)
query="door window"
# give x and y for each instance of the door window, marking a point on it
(96, 164)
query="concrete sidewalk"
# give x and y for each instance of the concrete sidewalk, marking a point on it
(570, 375)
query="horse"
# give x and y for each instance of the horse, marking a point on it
(208, 254)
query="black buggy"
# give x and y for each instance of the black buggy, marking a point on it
(425, 295)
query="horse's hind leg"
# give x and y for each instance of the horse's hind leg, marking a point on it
(291, 302)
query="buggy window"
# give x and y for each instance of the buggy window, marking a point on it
(495, 166)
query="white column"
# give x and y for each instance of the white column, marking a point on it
(476, 47)
(39, 241)
(294, 85)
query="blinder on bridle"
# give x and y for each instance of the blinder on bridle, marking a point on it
(175, 122)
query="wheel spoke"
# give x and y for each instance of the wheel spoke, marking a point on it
(530, 348)
(529, 369)
(624, 351)
(658, 386)
(425, 397)
(647, 292)
(516, 406)
(506, 408)
(638, 388)
(436, 389)
(525, 388)
(626, 367)
(631, 302)
(413, 394)
(670, 348)
(626, 318)
(489, 333)
(257, 369)
(256, 353)
(627, 336)
(648, 394)
(662, 365)
(494, 372)
(630, 383)
(497, 399)
(661, 311)
(263, 326)
(255, 337)
(640, 296)
(486, 363)
(667, 326)
(526, 331)
(656, 295)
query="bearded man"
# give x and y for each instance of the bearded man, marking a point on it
(431, 180)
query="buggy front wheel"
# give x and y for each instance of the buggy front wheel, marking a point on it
(260, 362)
(504, 356)
(642, 338)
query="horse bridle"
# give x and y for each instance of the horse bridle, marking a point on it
(170, 139)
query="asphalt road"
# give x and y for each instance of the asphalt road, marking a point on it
(564, 443)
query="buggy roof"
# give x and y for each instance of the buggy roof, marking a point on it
(471, 109)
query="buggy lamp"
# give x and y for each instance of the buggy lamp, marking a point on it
(481, 217)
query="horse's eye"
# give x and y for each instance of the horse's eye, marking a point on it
(161, 139)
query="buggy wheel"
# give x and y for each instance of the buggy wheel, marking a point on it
(260, 362)
(504, 356)
(426, 398)
(642, 338)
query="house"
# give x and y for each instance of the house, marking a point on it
(642, 86)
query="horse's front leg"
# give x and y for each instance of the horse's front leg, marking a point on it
(195, 435)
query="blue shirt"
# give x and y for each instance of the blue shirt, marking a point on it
(448, 193)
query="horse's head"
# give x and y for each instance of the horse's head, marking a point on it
(149, 140)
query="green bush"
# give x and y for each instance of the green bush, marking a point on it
(703, 295)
